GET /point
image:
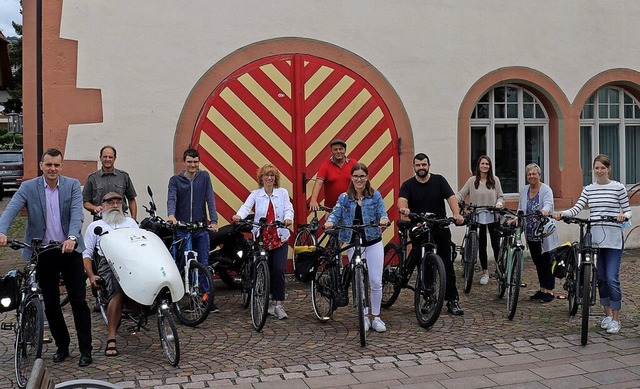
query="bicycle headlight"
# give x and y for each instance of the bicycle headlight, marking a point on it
(239, 253)
(5, 302)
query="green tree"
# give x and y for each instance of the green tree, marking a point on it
(14, 103)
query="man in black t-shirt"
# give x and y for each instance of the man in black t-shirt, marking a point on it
(427, 192)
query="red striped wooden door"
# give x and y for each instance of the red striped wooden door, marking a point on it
(285, 110)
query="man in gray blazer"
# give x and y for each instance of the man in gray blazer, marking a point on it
(54, 213)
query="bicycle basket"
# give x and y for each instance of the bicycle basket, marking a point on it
(306, 263)
(561, 256)
(9, 291)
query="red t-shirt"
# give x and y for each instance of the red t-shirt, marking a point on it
(336, 179)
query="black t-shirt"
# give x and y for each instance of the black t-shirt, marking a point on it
(427, 197)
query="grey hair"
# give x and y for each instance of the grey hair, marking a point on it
(533, 166)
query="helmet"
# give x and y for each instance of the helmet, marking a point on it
(545, 228)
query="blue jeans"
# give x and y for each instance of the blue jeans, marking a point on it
(608, 275)
(199, 244)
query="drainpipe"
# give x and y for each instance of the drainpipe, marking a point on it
(39, 120)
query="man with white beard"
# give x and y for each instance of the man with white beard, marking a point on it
(112, 218)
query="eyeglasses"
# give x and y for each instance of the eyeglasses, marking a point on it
(270, 175)
(113, 201)
(359, 178)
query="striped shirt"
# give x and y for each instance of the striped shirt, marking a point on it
(604, 200)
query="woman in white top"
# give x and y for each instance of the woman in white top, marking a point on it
(606, 198)
(272, 202)
(484, 189)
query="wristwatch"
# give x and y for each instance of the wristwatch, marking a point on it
(73, 238)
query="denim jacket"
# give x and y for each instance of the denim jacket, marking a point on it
(372, 211)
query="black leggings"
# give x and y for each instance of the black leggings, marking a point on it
(543, 265)
(495, 242)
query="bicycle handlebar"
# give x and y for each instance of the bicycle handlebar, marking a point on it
(586, 221)
(36, 245)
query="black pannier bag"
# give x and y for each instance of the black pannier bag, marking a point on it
(9, 292)
(306, 263)
(561, 256)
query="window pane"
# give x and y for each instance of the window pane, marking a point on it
(512, 95)
(632, 145)
(512, 110)
(539, 112)
(585, 154)
(528, 111)
(637, 111)
(498, 94)
(499, 111)
(526, 97)
(603, 111)
(627, 99)
(485, 98)
(587, 112)
(614, 96)
(609, 144)
(534, 146)
(483, 111)
(602, 95)
(478, 145)
(628, 111)
(506, 156)
(615, 112)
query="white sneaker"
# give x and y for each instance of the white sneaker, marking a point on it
(367, 324)
(272, 310)
(614, 327)
(279, 312)
(378, 325)
(604, 324)
(484, 279)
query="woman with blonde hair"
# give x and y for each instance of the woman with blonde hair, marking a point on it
(272, 202)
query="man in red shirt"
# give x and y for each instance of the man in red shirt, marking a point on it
(334, 173)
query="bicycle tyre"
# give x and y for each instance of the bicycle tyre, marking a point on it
(586, 301)
(572, 285)
(358, 289)
(194, 306)
(304, 238)
(430, 290)
(169, 337)
(470, 259)
(260, 295)
(391, 277)
(501, 273)
(514, 284)
(28, 346)
(322, 287)
(86, 383)
(64, 296)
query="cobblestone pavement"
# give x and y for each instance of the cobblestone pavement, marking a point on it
(480, 349)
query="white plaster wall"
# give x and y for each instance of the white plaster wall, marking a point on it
(146, 55)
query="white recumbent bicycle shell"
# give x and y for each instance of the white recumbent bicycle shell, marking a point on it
(142, 264)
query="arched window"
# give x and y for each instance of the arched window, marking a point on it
(510, 125)
(610, 124)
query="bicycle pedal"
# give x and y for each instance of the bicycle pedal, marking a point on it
(8, 326)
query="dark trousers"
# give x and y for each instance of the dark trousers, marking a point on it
(51, 265)
(277, 267)
(543, 265)
(494, 235)
(442, 239)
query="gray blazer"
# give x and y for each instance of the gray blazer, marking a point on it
(31, 195)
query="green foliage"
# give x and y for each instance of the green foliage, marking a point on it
(14, 103)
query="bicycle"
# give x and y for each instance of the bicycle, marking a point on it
(254, 273)
(195, 305)
(509, 263)
(307, 235)
(470, 242)
(430, 284)
(26, 298)
(581, 281)
(330, 286)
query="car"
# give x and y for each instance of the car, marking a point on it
(11, 169)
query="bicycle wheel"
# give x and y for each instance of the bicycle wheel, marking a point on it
(470, 259)
(64, 296)
(501, 268)
(514, 283)
(304, 238)
(572, 286)
(358, 289)
(585, 284)
(430, 290)
(391, 277)
(228, 279)
(28, 346)
(193, 308)
(322, 286)
(168, 336)
(86, 383)
(260, 295)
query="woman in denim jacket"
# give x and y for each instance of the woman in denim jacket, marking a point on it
(272, 202)
(361, 204)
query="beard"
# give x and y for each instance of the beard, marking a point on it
(422, 173)
(113, 216)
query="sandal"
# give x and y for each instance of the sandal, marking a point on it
(111, 350)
